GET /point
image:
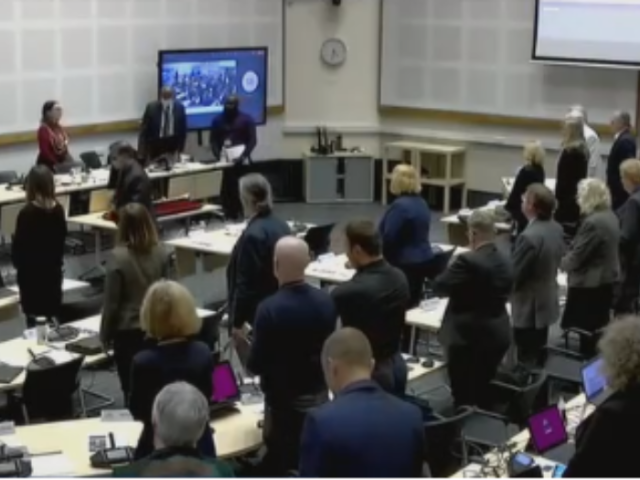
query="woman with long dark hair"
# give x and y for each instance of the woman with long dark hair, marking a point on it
(38, 247)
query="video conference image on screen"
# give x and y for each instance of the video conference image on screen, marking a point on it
(202, 80)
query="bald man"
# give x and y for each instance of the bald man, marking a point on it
(364, 431)
(289, 331)
(163, 129)
(597, 164)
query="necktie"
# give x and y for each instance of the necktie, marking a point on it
(166, 126)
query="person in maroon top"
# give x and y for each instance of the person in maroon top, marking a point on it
(53, 141)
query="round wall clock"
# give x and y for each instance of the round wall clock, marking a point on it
(333, 52)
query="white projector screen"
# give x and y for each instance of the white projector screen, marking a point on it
(591, 32)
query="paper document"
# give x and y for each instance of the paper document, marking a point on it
(230, 154)
(57, 465)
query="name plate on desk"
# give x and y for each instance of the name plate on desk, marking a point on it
(116, 415)
(7, 428)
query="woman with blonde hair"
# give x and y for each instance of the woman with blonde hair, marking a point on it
(404, 229)
(592, 265)
(573, 166)
(531, 172)
(604, 440)
(137, 261)
(170, 318)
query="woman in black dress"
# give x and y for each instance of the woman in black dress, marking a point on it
(573, 165)
(531, 172)
(38, 247)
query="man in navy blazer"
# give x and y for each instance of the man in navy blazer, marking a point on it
(364, 431)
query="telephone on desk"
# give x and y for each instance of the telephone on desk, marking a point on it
(13, 463)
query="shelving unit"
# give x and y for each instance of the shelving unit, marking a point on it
(338, 177)
(445, 165)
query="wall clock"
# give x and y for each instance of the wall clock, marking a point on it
(333, 52)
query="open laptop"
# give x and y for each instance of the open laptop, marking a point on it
(226, 391)
(594, 382)
(549, 435)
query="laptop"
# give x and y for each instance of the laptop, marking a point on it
(594, 382)
(226, 391)
(549, 435)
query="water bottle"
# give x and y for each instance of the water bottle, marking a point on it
(41, 330)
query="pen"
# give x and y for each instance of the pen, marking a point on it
(44, 454)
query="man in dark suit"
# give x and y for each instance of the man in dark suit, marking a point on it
(623, 148)
(232, 128)
(627, 298)
(375, 302)
(475, 331)
(290, 328)
(535, 304)
(364, 431)
(163, 119)
(250, 277)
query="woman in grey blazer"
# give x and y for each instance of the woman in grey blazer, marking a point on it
(592, 264)
(138, 261)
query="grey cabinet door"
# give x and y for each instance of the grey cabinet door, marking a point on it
(322, 185)
(358, 180)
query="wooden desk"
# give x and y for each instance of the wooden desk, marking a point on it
(507, 184)
(10, 306)
(332, 269)
(16, 351)
(98, 223)
(234, 435)
(576, 410)
(215, 246)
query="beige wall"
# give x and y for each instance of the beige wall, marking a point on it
(346, 100)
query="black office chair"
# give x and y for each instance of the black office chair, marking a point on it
(491, 429)
(210, 330)
(318, 239)
(66, 167)
(8, 176)
(81, 308)
(583, 336)
(91, 160)
(446, 448)
(48, 391)
(564, 367)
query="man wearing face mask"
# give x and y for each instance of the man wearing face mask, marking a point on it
(164, 126)
(232, 128)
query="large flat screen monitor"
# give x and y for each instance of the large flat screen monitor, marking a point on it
(587, 32)
(203, 78)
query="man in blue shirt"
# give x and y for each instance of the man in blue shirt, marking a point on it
(232, 128)
(289, 331)
(364, 431)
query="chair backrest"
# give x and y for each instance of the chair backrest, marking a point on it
(525, 402)
(66, 167)
(443, 437)
(8, 176)
(48, 392)
(440, 262)
(91, 160)
(85, 307)
(210, 330)
(318, 238)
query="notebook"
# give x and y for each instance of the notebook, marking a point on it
(226, 391)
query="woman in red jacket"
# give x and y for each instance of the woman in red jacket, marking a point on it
(52, 139)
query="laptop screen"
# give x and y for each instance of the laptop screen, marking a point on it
(225, 385)
(547, 429)
(593, 380)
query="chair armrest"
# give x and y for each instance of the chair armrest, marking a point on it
(565, 352)
(579, 331)
(505, 386)
(497, 416)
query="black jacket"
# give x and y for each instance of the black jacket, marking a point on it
(605, 445)
(623, 148)
(152, 123)
(133, 186)
(250, 276)
(175, 462)
(573, 166)
(375, 301)
(478, 285)
(528, 175)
